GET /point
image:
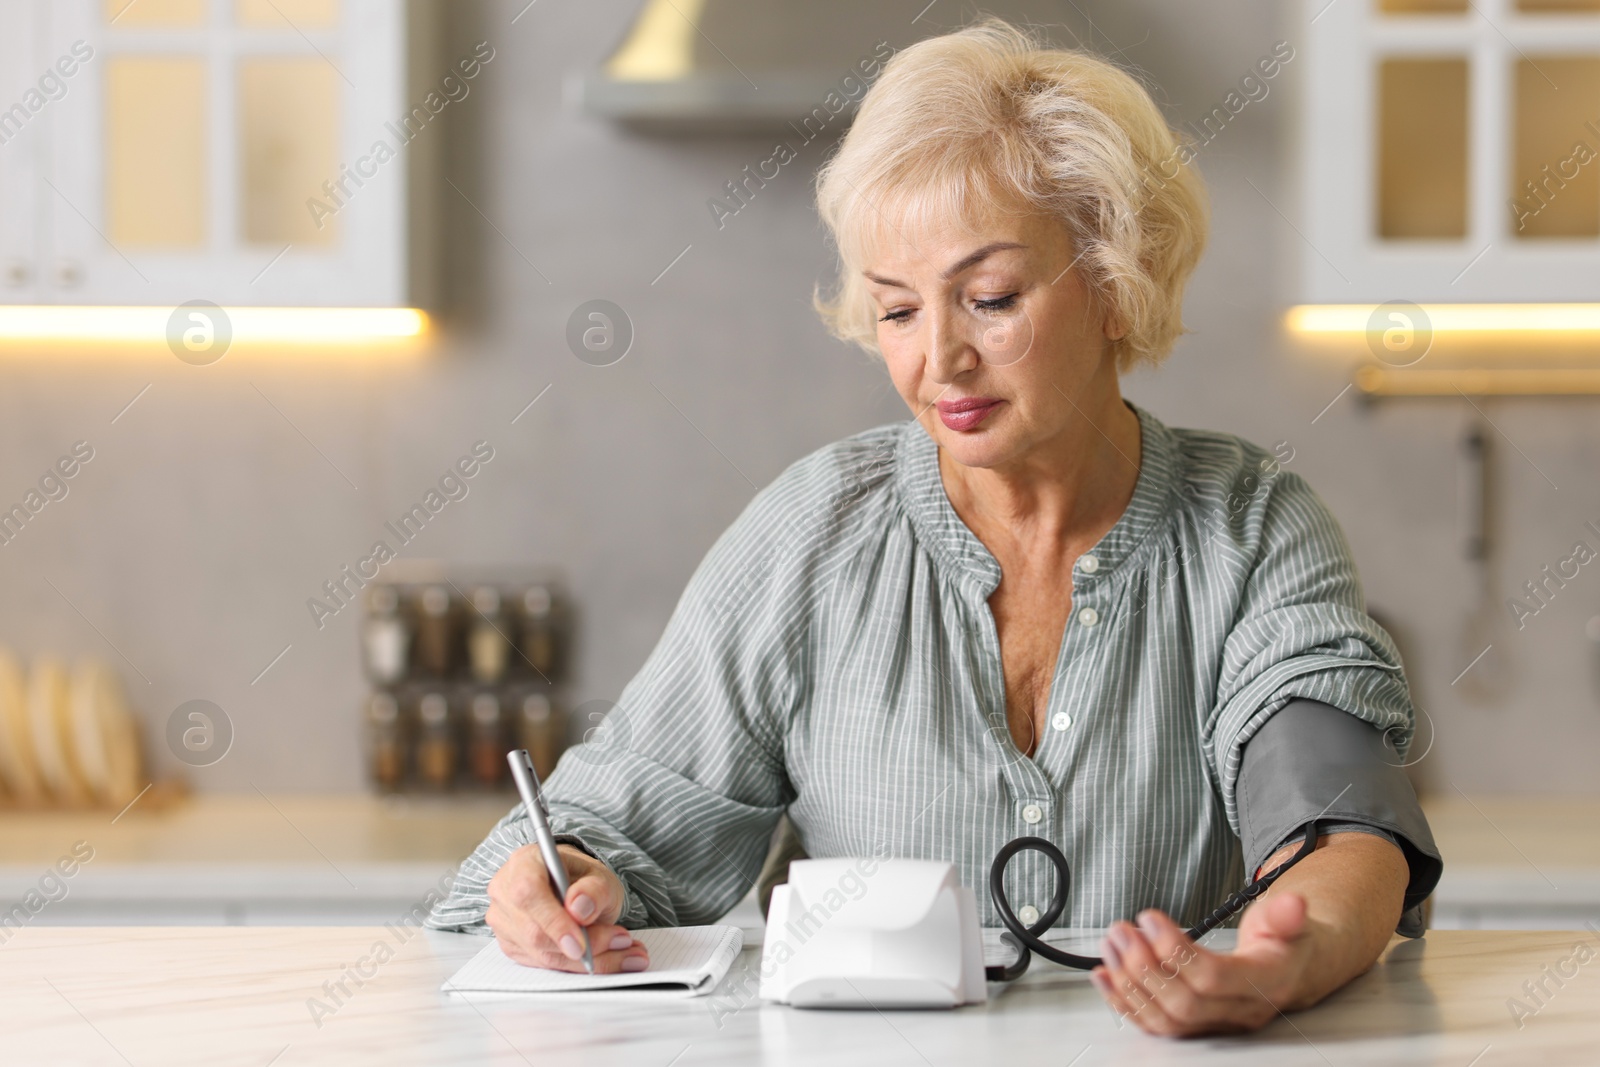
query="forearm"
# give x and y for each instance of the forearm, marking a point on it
(1353, 886)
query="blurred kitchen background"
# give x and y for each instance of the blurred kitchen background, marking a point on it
(544, 156)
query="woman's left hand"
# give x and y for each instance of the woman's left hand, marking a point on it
(1156, 976)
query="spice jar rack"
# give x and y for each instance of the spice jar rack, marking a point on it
(464, 667)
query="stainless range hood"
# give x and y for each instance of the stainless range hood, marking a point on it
(725, 66)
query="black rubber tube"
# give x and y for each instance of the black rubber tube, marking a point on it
(1026, 939)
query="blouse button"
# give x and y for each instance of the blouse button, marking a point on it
(1088, 564)
(1028, 914)
(1088, 616)
(1032, 813)
(1061, 720)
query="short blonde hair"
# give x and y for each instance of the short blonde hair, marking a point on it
(989, 116)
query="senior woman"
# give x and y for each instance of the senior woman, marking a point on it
(1033, 609)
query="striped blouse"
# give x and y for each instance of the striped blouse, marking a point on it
(834, 657)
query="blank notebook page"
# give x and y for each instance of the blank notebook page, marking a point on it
(687, 959)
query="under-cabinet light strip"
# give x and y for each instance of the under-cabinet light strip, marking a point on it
(1453, 318)
(284, 325)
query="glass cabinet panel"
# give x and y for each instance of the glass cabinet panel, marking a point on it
(126, 13)
(1422, 148)
(155, 143)
(302, 14)
(1422, 7)
(1558, 6)
(1555, 178)
(288, 147)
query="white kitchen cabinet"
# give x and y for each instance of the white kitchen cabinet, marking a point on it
(21, 141)
(1426, 122)
(183, 157)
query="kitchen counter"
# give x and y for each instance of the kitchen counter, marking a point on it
(1528, 862)
(251, 858)
(245, 996)
(261, 828)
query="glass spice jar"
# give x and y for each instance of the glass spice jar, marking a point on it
(387, 742)
(541, 632)
(435, 630)
(436, 742)
(540, 730)
(385, 638)
(486, 743)
(488, 648)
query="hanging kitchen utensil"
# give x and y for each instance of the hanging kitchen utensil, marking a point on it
(1482, 650)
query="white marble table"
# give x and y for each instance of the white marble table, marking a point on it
(239, 996)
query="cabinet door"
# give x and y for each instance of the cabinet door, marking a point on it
(1451, 152)
(197, 148)
(24, 115)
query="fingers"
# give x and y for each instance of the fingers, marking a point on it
(1155, 975)
(1101, 978)
(1123, 999)
(1278, 915)
(1274, 945)
(1168, 985)
(1154, 986)
(538, 930)
(538, 900)
(1203, 971)
(592, 895)
(614, 950)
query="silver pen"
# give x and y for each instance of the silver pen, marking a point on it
(527, 780)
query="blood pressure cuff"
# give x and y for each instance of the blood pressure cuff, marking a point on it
(1313, 761)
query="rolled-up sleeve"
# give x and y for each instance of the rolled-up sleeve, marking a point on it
(1300, 630)
(679, 788)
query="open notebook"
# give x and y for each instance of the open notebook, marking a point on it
(687, 960)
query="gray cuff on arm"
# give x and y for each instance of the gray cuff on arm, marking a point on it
(1314, 761)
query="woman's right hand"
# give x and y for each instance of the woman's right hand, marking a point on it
(537, 929)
